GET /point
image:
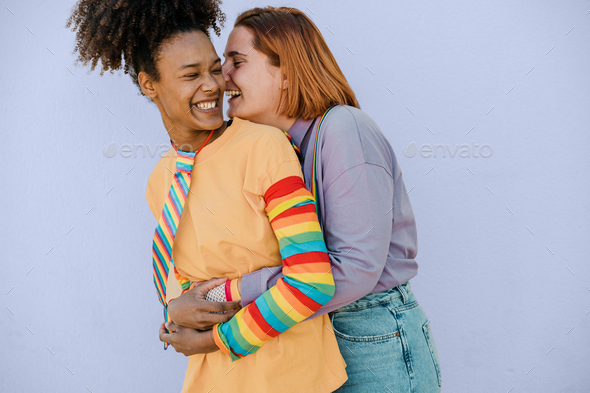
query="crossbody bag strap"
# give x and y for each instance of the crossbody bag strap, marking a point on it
(314, 168)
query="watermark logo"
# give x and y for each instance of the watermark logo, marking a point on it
(127, 150)
(462, 151)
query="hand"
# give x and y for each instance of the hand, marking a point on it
(191, 310)
(188, 341)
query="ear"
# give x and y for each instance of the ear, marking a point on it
(147, 85)
(285, 82)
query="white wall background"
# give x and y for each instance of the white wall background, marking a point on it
(503, 240)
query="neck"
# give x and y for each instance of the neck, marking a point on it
(191, 140)
(283, 123)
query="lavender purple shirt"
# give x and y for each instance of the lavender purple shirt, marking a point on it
(367, 218)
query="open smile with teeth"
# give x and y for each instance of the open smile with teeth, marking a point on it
(233, 93)
(206, 105)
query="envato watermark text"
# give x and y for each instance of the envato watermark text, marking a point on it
(127, 150)
(463, 151)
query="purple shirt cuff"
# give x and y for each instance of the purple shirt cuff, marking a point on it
(256, 283)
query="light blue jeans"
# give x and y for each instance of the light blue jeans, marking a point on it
(387, 344)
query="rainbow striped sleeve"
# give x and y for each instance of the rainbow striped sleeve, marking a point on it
(307, 284)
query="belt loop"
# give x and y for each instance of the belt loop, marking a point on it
(402, 290)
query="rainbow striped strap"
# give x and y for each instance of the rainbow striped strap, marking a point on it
(314, 181)
(297, 150)
(168, 224)
(166, 230)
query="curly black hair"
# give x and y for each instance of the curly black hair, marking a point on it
(134, 30)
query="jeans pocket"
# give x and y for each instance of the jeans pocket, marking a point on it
(432, 347)
(372, 324)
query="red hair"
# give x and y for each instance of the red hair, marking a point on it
(293, 42)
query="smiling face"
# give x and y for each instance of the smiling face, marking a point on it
(254, 85)
(190, 87)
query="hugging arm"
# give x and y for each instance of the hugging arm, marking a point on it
(357, 228)
(306, 283)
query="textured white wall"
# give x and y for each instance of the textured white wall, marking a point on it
(503, 240)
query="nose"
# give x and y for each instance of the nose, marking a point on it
(226, 69)
(212, 85)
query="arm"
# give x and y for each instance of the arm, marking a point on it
(357, 229)
(307, 281)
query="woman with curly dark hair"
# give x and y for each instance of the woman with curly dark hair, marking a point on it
(229, 199)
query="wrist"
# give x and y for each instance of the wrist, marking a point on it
(212, 344)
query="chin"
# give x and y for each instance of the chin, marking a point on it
(213, 124)
(234, 112)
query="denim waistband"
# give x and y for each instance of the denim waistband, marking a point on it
(374, 298)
